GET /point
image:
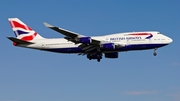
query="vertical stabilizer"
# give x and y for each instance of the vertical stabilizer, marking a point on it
(22, 31)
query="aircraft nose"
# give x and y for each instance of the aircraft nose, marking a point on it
(170, 40)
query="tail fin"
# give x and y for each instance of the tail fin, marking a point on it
(22, 31)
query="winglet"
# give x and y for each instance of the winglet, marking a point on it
(47, 25)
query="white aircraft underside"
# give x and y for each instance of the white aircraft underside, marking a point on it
(93, 47)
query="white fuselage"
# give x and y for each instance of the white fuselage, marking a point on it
(130, 42)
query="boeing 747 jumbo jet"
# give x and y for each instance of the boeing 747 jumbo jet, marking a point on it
(93, 47)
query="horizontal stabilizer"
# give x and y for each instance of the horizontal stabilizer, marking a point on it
(18, 41)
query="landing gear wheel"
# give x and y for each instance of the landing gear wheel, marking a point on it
(98, 60)
(154, 53)
(89, 56)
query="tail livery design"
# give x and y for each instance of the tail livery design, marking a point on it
(22, 31)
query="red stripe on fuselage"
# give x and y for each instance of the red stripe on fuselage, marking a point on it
(140, 34)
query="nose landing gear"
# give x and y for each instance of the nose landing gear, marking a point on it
(155, 52)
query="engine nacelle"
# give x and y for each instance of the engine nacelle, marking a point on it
(108, 46)
(111, 55)
(86, 40)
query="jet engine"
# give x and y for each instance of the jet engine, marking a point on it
(108, 46)
(85, 40)
(111, 55)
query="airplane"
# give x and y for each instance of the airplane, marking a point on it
(93, 47)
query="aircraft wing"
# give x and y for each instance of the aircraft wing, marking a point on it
(71, 36)
(88, 44)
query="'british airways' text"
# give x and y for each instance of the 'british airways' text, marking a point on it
(126, 38)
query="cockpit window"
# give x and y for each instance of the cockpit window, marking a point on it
(158, 33)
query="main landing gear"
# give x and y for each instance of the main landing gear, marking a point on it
(155, 52)
(99, 59)
(97, 56)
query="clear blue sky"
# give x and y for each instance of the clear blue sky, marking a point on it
(31, 75)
